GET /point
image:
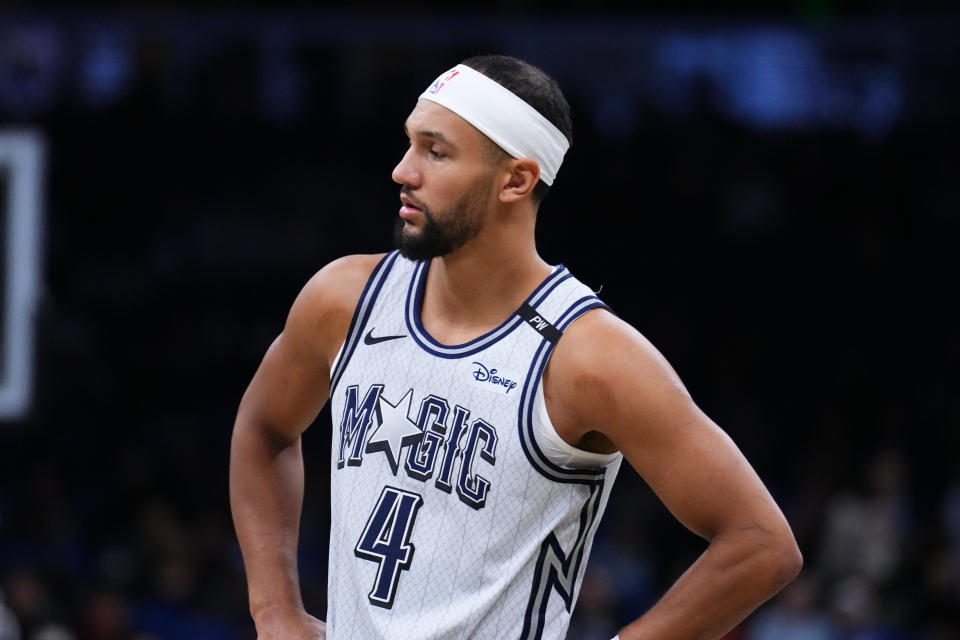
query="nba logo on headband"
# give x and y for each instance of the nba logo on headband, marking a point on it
(441, 81)
(511, 123)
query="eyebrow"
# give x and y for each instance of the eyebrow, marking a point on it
(436, 135)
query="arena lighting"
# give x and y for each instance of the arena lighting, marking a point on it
(21, 177)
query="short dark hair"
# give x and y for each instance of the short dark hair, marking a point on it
(533, 86)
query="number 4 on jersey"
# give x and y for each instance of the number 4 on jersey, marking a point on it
(386, 540)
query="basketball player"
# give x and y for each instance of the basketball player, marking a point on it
(483, 401)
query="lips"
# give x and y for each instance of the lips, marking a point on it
(409, 207)
(408, 212)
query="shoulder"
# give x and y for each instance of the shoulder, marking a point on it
(339, 284)
(321, 314)
(599, 348)
(604, 372)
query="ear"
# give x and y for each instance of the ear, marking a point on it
(523, 175)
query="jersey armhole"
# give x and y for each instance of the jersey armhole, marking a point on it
(556, 449)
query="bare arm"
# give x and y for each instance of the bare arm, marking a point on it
(266, 468)
(605, 377)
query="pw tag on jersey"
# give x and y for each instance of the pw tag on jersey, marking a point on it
(491, 378)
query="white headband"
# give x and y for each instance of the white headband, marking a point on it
(502, 116)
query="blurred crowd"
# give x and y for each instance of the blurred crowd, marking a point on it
(790, 257)
(162, 568)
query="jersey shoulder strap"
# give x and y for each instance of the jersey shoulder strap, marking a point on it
(362, 314)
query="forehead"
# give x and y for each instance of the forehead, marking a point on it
(429, 117)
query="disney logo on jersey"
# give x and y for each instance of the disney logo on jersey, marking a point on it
(441, 444)
(494, 377)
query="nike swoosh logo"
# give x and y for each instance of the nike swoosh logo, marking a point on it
(371, 339)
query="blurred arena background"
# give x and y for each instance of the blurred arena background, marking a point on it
(772, 198)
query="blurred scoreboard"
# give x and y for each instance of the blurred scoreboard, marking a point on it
(21, 190)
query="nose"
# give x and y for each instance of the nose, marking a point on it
(406, 172)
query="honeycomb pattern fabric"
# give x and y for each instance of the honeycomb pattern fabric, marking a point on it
(448, 520)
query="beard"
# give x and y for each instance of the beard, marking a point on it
(441, 233)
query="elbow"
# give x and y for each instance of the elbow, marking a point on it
(783, 559)
(253, 429)
(789, 562)
(773, 555)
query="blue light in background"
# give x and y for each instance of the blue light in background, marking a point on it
(771, 78)
(106, 69)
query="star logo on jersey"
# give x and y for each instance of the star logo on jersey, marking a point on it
(395, 430)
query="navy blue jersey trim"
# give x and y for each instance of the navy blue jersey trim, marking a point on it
(561, 575)
(361, 314)
(528, 441)
(415, 302)
(575, 310)
(536, 299)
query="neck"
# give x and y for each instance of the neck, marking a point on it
(477, 287)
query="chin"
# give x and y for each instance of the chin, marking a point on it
(411, 230)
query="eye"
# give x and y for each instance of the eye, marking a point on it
(437, 154)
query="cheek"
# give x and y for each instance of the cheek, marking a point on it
(452, 182)
(444, 186)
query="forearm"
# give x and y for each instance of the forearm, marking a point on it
(266, 495)
(736, 574)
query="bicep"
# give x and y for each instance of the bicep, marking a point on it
(640, 404)
(293, 380)
(696, 469)
(288, 390)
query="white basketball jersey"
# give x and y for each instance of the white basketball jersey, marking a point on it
(449, 521)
